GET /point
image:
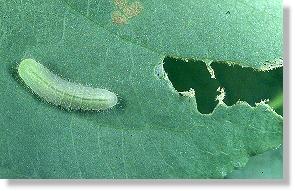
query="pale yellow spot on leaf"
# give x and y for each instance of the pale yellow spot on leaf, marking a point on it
(125, 11)
(133, 9)
(120, 3)
(118, 18)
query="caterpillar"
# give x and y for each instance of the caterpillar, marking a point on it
(61, 92)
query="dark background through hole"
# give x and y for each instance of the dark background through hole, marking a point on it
(243, 84)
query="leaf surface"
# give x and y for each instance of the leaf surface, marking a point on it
(153, 132)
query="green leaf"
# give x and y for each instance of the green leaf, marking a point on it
(239, 31)
(266, 85)
(153, 132)
(263, 166)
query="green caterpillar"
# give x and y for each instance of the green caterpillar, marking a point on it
(60, 92)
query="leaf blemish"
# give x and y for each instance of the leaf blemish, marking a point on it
(119, 18)
(133, 9)
(120, 3)
(125, 11)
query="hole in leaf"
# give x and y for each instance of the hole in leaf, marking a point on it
(245, 84)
